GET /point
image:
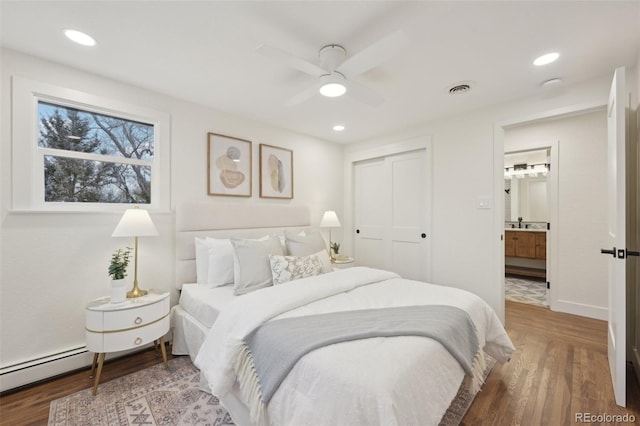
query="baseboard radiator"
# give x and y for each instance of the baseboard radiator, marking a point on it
(34, 370)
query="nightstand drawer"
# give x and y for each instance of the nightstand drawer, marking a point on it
(135, 338)
(138, 317)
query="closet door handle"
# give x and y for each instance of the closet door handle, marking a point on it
(357, 231)
(423, 235)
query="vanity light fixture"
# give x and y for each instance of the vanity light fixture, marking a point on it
(546, 59)
(520, 171)
(80, 37)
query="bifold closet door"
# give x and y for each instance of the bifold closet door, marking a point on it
(390, 205)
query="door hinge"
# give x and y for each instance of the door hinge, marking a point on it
(548, 285)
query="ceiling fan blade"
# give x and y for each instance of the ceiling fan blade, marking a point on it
(364, 94)
(302, 96)
(291, 60)
(377, 53)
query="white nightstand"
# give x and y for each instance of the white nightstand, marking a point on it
(126, 325)
(343, 264)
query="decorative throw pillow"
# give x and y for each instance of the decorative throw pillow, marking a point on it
(304, 245)
(252, 269)
(289, 268)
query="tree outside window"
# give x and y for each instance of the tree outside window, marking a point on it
(94, 158)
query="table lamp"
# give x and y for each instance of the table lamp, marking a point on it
(135, 223)
(330, 220)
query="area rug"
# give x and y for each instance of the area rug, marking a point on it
(526, 291)
(157, 396)
(153, 396)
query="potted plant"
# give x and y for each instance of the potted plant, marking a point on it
(117, 272)
(336, 248)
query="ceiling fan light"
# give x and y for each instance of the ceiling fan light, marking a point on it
(333, 90)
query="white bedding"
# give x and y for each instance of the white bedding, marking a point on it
(205, 303)
(391, 381)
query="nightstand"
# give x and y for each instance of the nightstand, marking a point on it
(343, 263)
(113, 327)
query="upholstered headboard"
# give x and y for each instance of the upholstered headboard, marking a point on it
(220, 220)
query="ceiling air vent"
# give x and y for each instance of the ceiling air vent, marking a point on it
(459, 89)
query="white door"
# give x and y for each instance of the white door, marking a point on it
(391, 201)
(616, 125)
(370, 212)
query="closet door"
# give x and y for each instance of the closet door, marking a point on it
(391, 202)
(371, 212)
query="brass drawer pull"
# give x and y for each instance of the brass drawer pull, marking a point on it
(138, 320)
(137, 341)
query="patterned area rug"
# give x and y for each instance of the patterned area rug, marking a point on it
(157, 396)
(153, 396)
(526, 291)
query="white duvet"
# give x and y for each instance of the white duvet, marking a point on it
(386, 381)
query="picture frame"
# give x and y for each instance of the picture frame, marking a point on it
(276, 172)
(229, 166)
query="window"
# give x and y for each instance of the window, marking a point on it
(84, 152)
(94, 158)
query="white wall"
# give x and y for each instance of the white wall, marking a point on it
(581, 279)
(466, 166)
(52, 264)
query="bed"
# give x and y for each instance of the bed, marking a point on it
(378, 379)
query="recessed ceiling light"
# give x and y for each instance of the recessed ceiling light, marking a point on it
(338, 127)
(546, 59)
(80, 37)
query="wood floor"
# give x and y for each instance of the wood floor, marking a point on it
(560, 369)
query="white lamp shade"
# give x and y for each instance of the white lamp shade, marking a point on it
(330, 220)
(135, 223)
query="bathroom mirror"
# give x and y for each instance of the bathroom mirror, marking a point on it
(525, 186)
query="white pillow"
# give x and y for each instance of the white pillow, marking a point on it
(220, 262)
(325, 261)
(304, 245)
(252, 269)
(202, 260)
(289, 268)
(214, 261)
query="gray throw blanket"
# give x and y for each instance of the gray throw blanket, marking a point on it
(275, 347)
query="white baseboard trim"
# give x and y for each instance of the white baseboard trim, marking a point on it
(30, 371)
(589, 311)
(36, 369)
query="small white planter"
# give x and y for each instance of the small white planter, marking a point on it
(119, 290)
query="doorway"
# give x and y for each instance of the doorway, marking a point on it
(526, 225)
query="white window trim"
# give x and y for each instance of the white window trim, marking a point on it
(28, 160)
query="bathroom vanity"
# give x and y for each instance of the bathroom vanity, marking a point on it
(525, 252)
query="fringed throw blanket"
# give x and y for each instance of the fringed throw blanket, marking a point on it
(271, 351)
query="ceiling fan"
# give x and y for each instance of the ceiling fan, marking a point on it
(335, 72)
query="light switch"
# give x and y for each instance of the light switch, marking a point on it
(485, 203)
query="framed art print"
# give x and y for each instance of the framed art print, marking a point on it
(276, 172)
(229, 166)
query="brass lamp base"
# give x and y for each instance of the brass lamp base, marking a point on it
(135, 292)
